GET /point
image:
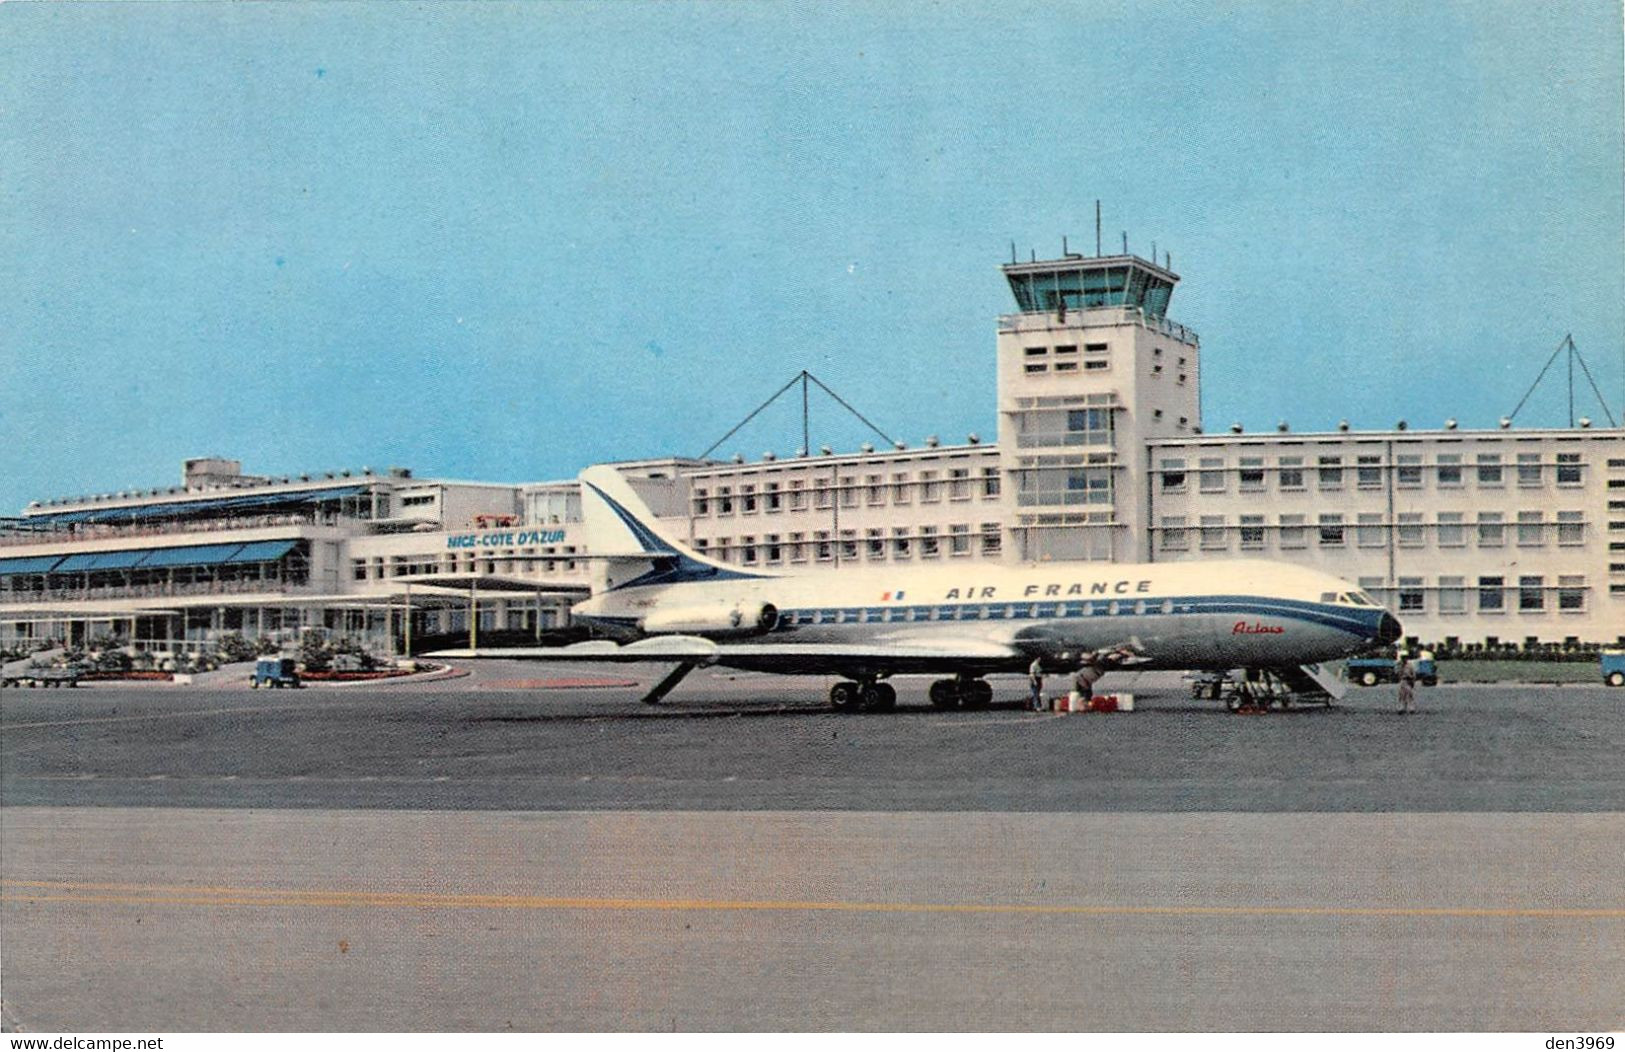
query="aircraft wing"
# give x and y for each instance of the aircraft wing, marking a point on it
(902, 655)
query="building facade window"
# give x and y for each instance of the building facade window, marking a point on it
(1531, 529)
(1331, 530)
(900, 542)
(929, 544)
(1212, 475)
(1368, 472)
(1412, 595)
(992, 538)
(1449, 470)
(1491, 595)
(1174, 536)
(959, 483)
(1173, 476)
(1569, 469)
(959, 539)
(1212, 531)
(1491, 529)
(1531, 593)
(1452, 596)
(1529, 470)
(1331, 472)
(990, 482)
(1571, 528)
(1369, 530)
(1411, 533)
(1251, 474)
(1571, 592)
(1452, 534)
(1294, 532)
(1252, 532)
(1291, 473)
(1489, 469)
(1408, 470)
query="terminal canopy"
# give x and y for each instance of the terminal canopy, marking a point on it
(1091, 283)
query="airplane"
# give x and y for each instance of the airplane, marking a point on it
(661, 602)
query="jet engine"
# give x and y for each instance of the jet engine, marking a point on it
(720, 619)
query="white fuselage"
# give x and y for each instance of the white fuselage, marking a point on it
(1177, 615)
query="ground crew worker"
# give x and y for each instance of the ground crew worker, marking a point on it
(1089, 673)
(1405, 672)
(1035, 679)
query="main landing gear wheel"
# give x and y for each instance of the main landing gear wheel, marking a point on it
(961, 693)
(1616, 679)
(867, 696)
(877, 697)
(1368, 679)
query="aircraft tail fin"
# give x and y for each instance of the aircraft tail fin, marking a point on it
(628, 542)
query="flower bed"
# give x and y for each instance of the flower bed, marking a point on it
(332, 676)
(146, 675)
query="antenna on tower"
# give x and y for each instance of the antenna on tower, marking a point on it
(1125, 242)
(1574, 356)
(1097, 228)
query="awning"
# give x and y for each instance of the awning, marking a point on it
(82, 561)
(29, 564)
(173, 509)
(148, 558)
(191, 555)
(261, 552)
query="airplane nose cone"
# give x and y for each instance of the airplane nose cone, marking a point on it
(1389, 629)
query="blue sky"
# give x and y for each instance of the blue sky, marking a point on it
(505, 242)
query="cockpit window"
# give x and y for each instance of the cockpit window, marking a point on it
(1329, 597)
(1361, 599)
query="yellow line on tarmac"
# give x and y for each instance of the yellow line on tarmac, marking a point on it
(186, 715)
(20, 891)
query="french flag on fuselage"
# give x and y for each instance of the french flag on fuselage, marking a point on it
(889, 596)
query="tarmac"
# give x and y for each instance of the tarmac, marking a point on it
(472, 854)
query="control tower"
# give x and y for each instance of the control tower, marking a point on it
(1089, 368)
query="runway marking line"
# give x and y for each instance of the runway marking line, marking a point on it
(18, 891)
(164, 715)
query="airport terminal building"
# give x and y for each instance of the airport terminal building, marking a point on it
(1508, 535)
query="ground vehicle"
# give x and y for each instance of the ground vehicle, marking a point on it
(1369, 671)
(275, 672)
(44, 677)
(1613, 667)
